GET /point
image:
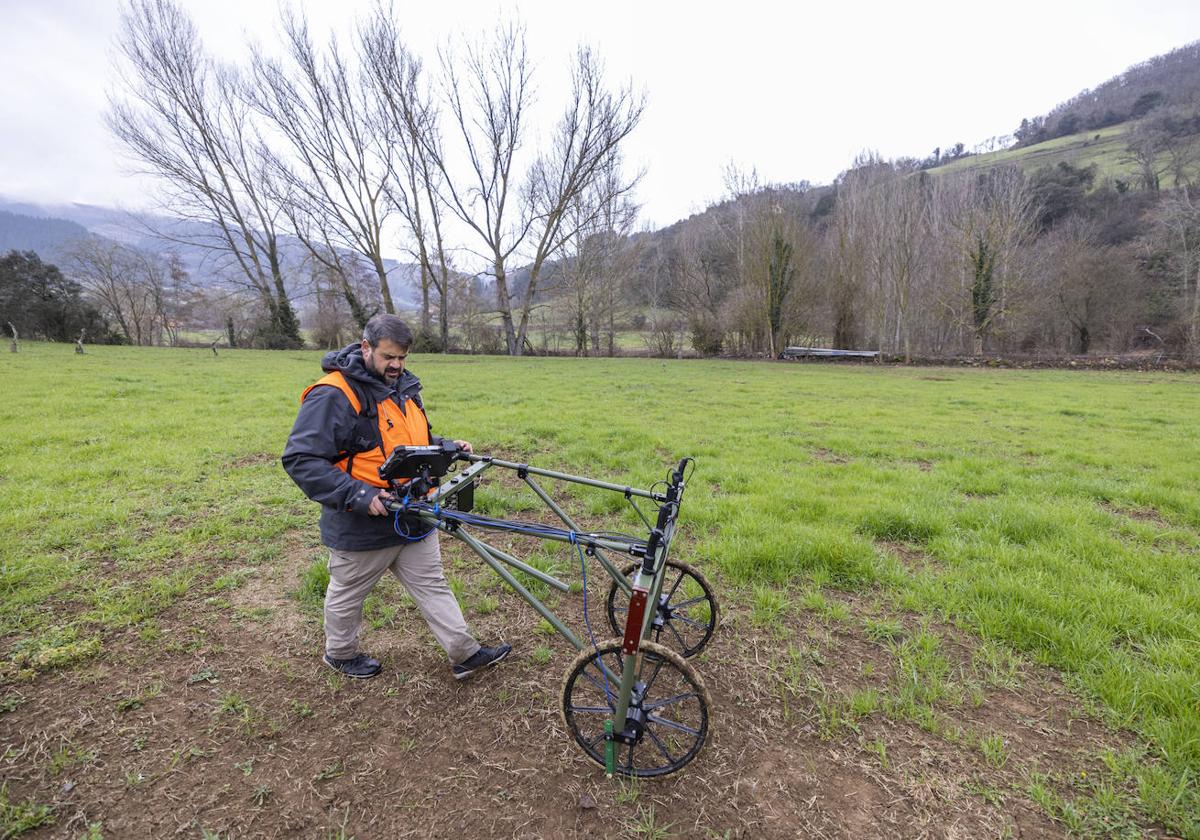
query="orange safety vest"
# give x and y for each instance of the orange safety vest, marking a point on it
(396, 428)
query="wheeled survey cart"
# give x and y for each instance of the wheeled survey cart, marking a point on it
(633, 702)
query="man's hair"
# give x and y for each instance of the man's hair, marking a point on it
(390, 327)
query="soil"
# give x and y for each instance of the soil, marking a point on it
(228, 723)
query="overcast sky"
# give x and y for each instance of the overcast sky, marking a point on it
(793, 89)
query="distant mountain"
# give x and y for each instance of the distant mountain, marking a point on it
(49, 237)
(50, 229)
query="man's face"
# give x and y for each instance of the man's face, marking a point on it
(387, 359)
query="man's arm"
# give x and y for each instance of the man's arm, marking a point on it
(325, 418)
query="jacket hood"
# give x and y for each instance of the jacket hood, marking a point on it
(349, 361)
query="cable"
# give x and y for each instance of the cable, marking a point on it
(531, 529)
(403, 532)
(608, 697)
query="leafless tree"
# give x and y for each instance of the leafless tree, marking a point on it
(858, 265)
(104, 269)
(487, 94)
(487, 91)
(178, 300)
(397, 81)
(989, 220)
(891, 223)
(1177, 138)
(899, 220)
(340, 153)
(127, 284)
(330, 321)
(597, 258)
(665, 321)
(154, 273)
(703, 280)
(1177, 222)
(181, 117)
(780, 254)
(845, 277)
(1093, 287)
(763, 231)
(620, 253)
(1146, 148)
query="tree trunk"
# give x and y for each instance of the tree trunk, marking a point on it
(510, 333)
(426, 277)
(386, 292)
(444, 310)
(357, 311)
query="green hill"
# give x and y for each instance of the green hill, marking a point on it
(1095, 128)
(1105, 147)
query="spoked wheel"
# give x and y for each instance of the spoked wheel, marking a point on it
(687, 612)
(667, 722)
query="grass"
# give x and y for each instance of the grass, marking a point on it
(19, 817)
(1054, 513)
(1104, 147)
(1107, 149)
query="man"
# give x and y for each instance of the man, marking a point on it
(349, 421)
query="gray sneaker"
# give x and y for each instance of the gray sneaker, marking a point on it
(361, 667)
(481, 659)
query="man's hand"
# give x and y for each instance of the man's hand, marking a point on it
(378, 504)
(465, 446)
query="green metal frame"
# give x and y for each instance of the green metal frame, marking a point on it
(434, 511)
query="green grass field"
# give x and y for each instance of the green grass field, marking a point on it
(1055, 514)
(1105, 148)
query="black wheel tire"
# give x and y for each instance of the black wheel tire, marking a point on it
(586, 702)
(682, 634)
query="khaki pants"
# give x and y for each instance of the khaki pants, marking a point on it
(417, 565)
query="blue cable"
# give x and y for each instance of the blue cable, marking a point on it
(532, 530)
(586, 621)
(403, 532)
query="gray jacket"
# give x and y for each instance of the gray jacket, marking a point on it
(327, 427)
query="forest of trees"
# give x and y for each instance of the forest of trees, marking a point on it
(355, 148)
(913, 263)
(524, 237)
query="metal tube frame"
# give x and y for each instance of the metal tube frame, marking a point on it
(652, 552)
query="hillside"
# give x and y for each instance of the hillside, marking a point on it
(1152, 104)
(48, 237)
(1163, 82)
(1106, 148)
(49, 228)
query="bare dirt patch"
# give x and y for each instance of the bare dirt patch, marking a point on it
(1140, 514)
(910, 554)
(830, 457)
(227, 722)
(256, 459)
